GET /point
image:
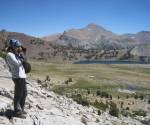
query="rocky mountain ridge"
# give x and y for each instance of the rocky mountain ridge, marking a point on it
(90, 42)
(98, 38)
(142, 37)
(97, 30)
(92, 36)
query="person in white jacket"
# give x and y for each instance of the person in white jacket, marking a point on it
(18, 76)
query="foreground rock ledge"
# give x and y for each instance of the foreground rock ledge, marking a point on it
(47, 108)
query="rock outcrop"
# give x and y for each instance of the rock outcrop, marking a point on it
(47, 108)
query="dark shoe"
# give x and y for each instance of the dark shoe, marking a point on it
(20, 115)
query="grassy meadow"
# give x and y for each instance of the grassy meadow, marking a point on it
(96, 76)
(99, 84)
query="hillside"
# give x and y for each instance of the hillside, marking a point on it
(47, 108)
(51, 37)
(142, 37)
(143, 43)
(92, 36)
(96, 37)
(92, 42)
(36, 47)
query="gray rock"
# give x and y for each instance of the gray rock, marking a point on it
(4, 121)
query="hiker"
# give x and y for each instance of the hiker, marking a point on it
(15, 61)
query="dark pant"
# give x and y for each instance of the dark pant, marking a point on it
(20, 94)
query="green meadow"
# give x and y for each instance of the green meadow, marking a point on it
(99, 84)
(96, 76)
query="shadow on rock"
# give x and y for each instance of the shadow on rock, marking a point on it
(8, 113)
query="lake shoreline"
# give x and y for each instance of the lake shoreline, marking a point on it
(110, 62)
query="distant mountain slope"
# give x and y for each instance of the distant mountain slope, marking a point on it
(90, 42)
(143, 43)
(142, 37)
(92, 36)
(35, 46)
(51, 37)
(96, 37)
(141, 50)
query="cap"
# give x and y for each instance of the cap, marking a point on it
(14, 43)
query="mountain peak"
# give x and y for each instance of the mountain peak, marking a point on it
(94, 26)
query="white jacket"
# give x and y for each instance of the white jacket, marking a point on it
(15, 65)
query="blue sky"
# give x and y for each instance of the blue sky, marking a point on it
(45, 17)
